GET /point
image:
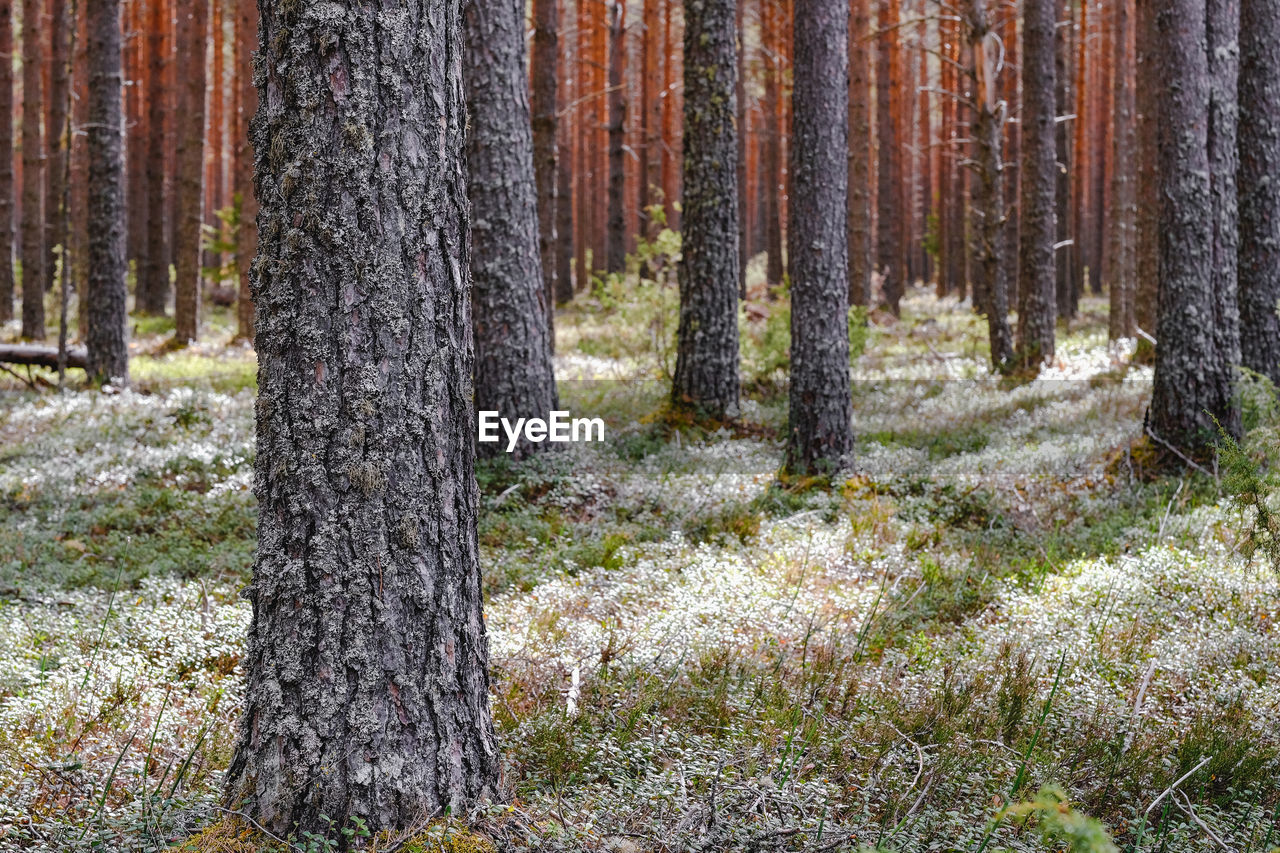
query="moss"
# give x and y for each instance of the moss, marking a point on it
(230, 835)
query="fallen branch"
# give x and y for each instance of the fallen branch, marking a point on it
(41, 356)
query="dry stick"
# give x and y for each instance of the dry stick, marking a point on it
(1180, 454)
(1170, 789)
(1191, 813)
(1169, 509)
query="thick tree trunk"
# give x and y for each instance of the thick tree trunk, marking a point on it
(59, 102)
(6, 163)
(247, 98)
(775, 271)
(986, 225)
(1260, 186)
(542, 104)
(193, 21)
(367, 658)
(706, 374)
(513, 374)
(890, 249)
(107, 346)
(1123, 199)
(616, 248)
(1197, 319)
(34, 255)
(859, 153)
(1037, 306)
(820, 433)
(1064, 253)
(153, 273)
(1147, 214)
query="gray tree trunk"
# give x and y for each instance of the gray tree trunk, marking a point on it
(1197, 312)
(889, 236)
(706, 373)
(820, 433)
(193, 21)
(153, 271)
(1260, 186)
(367, 659)
(1062, 170)
(55, 130)
(107, 302)
(247, 239)
(33, 165)
(986, 210)
(1147, 205)
(1123, 193)
(1037, 285)
(513, 374)
(6, 164)
(616, 226)
(860, 154)
(546, 156)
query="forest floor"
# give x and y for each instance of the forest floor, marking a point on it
(998, 596)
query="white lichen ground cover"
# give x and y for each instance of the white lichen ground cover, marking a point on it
(992, 597)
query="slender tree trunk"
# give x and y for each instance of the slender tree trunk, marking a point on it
(889, 236)
(153, 272)
(987, 209)
(513, 373)
(1197, 318)
(1260, 186)
(706, 374)
(367, 660)
(1147, 249)
(1062, 171)
(924, 152)
(6, 163)
(107, 346)
(740, 119)
(1080, 162)
(193, 24)
(1123, 198)
(820, 435)
(946, 161)
(670, 109)
(247, 96)
(59, 103)
(860, 153)
(1037, 306)
(775, 272)
(1011, 168)
(565, 235)
(213, 201)
(616, 250)
(34, 253)
(79, 154)
(546, 47)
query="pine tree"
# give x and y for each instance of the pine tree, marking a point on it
(153, 272)
(6, 164)
(859, 153)
(193, 21)
(247, 105)
(34, 256)
(546, 156)
(890, 240)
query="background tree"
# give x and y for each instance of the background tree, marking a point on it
(108, 351)
(247, 105)
(153, 273)
(1123, 192)
(890, 249)
(193, 20)
(820, 432)
(1259, 186)
(57, 106)
(6, 163)
(1197, 314)
(513, 372)
(546, 157)
(706, 374)
(367, 684)
(1037, 285)
(616, 250)
(1147, 206)
(859, 153)
(33, 166)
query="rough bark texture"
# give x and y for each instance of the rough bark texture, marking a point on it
(1147, 214)
(367, 683)
(1037, 305)
(890, 248)
(542, 103)
(39, 355)
(33, 165)
(6, 164)
(193, 21)
(1062, 169)
(859, 153)
(1260, 186)
(107, 345)
(513, 373)
(775, 270)
(247, 97)
(153, 273)
(986, 212)
(1120, 267)
(564, 190)
(59, 102)
(1010, 140)
(706, 374)
(820, 432)
(740, 119)
(1197, 316)
(1080, 200)
(616, 245)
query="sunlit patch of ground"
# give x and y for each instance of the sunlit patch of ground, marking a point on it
(991, 597)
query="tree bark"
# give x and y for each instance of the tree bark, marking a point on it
(542, 104)
(1259, 143)
(1123, 198)
(860, 153)
(616, 248)
(1010, 140)
(367, 659)
(775, 271)
(153, 273)
(1147, 214)
(1037, 291)
(193, 21)
(890, 249)
(513, 374)
(565, 235)
(6, 164)
(34, 255)
(740, 120)
(1063, 254)
(59, 102)
(1197, 317)
(706, 374)
(247, 97)
(820, 433)
(40, 356)
(107, 358)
